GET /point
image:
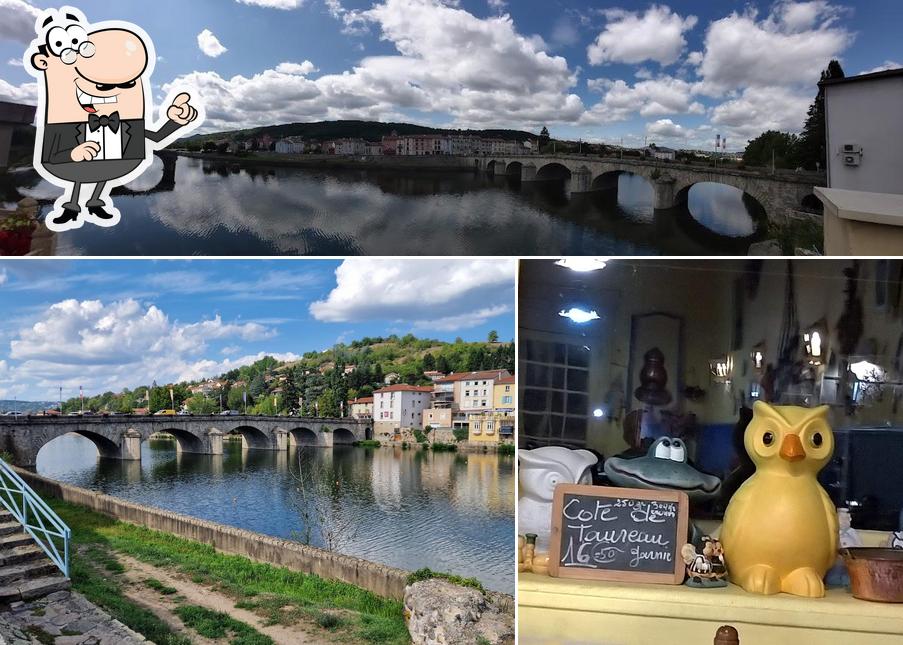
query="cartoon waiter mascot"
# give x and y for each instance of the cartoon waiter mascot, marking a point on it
(94, 96)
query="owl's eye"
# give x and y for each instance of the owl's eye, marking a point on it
(817, 439)
(663, 450)
(768, 438)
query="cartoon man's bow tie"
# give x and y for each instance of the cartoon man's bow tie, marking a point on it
(112, 122)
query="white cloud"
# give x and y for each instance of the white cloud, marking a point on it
(210, 44)
(299, 69)
(18, 20)
(3, 277)
(631, 37)
(497, 4)
(654, 97)
(274, 4)
(24, 93)
(479, 71)
(15, 62)
(109, 345)
(888, 65)
(757, 110)
(429, 294)
(789, 46)
(667, 129)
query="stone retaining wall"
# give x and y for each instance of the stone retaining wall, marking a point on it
(380, 579)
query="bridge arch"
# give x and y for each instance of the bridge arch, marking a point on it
(106, 447)
(254, 438)
(682, 192)
(514, 169)
(185, 441)
(303, 437)
(553, 171)
(343, 436)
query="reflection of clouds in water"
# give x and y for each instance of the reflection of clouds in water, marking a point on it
(283, 209)
(42, 189)
(721, 208)
(635, 196)
(219, 209)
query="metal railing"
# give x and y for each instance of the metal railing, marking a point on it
(37, 518)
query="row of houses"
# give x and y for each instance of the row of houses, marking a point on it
(481, 402)
(414, 145)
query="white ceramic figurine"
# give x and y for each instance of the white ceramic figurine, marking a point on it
(540, 471)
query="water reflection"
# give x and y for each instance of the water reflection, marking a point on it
(708, 202)
(447, 511)
(217, 208)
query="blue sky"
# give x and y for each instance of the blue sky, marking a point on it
(111, 324)
(676, 72)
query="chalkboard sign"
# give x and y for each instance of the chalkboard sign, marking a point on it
(621, 534)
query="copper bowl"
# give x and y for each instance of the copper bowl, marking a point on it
(875, 573)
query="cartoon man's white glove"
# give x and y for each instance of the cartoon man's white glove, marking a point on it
(85, 151)
(181, 110)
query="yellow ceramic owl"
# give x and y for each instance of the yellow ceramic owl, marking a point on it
(780, 527)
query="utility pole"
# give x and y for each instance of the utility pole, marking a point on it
(61, 400)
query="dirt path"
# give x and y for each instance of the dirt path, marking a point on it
(137, 572)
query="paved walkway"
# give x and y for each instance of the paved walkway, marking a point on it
(66, 616)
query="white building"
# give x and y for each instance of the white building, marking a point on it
(399, 406)
(290, 146)
(659, 152)
(863, 202)
(374, 149)
(350, 147)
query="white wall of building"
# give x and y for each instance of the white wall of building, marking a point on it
(400, 409)
(866, 113)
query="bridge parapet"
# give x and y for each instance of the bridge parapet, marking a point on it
(120, 437)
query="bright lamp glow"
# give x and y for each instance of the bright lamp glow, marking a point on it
(598, 412)
(582, 265)
(866, 371)
(579, 315)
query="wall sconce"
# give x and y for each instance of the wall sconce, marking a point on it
(579, 316)
(582, 265)
(757, 356)
(814, 341)
(721, 369)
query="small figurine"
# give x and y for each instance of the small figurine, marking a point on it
(540, 471)
(527, 558)
(780, 529)
(705, 570)
(848, 537)
(895, 540)
(664, 467)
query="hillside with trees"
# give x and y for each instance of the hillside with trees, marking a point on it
(326, 130)
(314, 385)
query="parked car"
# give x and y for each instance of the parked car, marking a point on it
(15, 414)
(183, 413)
(230, 413)
(165, 413)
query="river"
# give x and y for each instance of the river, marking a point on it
(216, 208)
(409, 509)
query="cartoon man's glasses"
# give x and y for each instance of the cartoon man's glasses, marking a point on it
(70, 43)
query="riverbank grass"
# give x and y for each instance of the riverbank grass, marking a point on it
(279, 594)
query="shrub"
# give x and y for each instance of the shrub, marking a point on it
(461, 434)
(368, 443)
(428, 574)
(443, 447)
(419, 436)
(506, 449)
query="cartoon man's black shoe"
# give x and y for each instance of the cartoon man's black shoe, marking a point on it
(99, 212)
(68, 215)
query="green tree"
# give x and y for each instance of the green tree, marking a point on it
(544, 138)
(200, 404)
(234, 400)
(493, 337)
(812, 147)
(328, 405)
(258, 385)
(429, 363)
(781, 145)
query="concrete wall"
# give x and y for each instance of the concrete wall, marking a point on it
(866, 113)
(380, 579)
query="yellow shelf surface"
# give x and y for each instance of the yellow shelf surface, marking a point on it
(572, 612)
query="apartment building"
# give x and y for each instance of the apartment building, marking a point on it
(399, 406)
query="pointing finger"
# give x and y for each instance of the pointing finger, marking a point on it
(181, 99)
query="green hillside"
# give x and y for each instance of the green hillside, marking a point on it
(320, 379)
(369, 130)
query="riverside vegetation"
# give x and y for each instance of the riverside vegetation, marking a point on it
(334, 610)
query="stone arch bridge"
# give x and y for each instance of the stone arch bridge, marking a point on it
(779, 195)
(120, 437)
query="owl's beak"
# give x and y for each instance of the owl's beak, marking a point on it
(792, 448)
